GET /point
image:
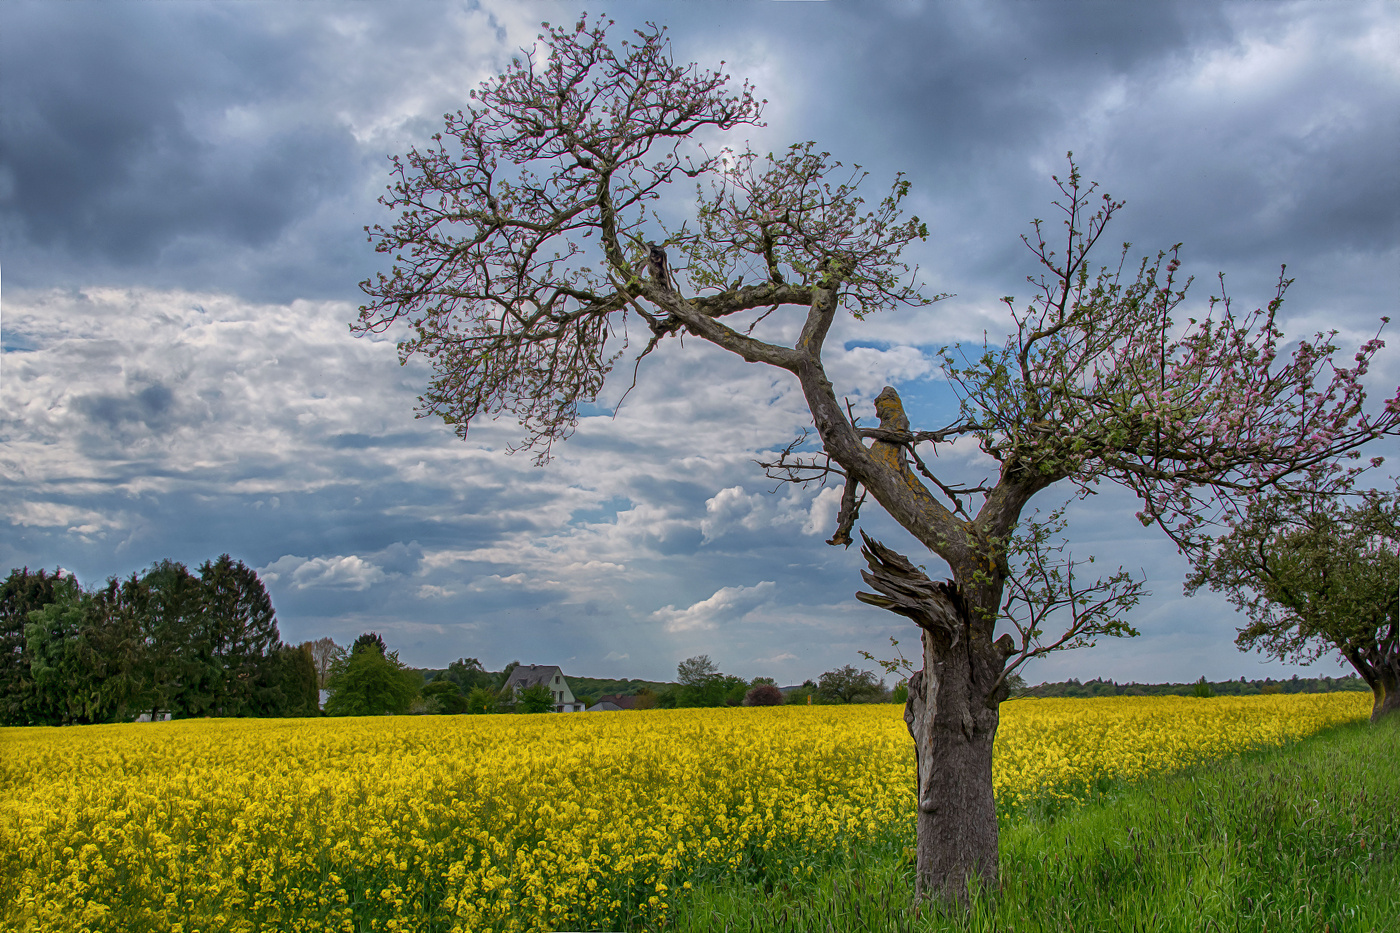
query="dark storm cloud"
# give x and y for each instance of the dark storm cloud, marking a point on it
(182, 192)
(958, 81)
(114, 133)
(150, 406)
(1259, 134)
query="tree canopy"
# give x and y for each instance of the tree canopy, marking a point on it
(468, 674)
(526, 247)
(371, 682)
(849, 685)
(701, 683)
(166, 641)
(1316, 574)
(369, 640)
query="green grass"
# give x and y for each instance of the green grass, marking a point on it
(1303, 837)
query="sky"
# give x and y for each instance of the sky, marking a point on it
(183, 192)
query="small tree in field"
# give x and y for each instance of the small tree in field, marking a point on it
(1315, 576)
(522, 251)
(371, 683)
(848, 685)
(482, 700)
(536, 698)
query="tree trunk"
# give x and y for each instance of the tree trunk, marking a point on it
(1386, 690)
(1378, 663)
(952, 716)
(953, 731)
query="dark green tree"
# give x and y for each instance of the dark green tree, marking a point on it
(482, 700)
(369, 683)
(467, 673)
(86, 654)
(20, 594)
(696, 671)
(300, 681)
(180, 658)
(116, 649)
(732, 690)
(239, 633)
(369, 640)
(63, 689)
(285, 683)
(702, 684)
(448, 694)
(167, 640)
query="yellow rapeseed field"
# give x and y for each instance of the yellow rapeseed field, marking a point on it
(515, 822)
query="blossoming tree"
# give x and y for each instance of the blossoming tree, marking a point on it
(1316, 575)
(520, 252)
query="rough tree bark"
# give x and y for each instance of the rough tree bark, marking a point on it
(1374, 653)
(952, 715)
(1385, 689)
(1375, 656)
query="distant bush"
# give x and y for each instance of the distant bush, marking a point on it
(764, 695)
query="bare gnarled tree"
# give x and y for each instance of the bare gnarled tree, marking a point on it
(520, 257)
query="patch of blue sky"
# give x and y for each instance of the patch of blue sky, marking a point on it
(930, 403)
(14, 342)
(593, 410)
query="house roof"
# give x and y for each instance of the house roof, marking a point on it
(621, 701)
(527, 675)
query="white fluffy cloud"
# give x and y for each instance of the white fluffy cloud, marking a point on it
(728, 604)
(349, 572)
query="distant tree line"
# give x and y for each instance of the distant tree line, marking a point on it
(367, 679)
(590, 689)
(163, 642)
(700, 683)
(1202, 687)
(374, 682)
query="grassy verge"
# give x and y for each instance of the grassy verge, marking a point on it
(1302, 837)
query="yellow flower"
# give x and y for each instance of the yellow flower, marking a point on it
(517, 822)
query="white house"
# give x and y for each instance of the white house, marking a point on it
(527, 675)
